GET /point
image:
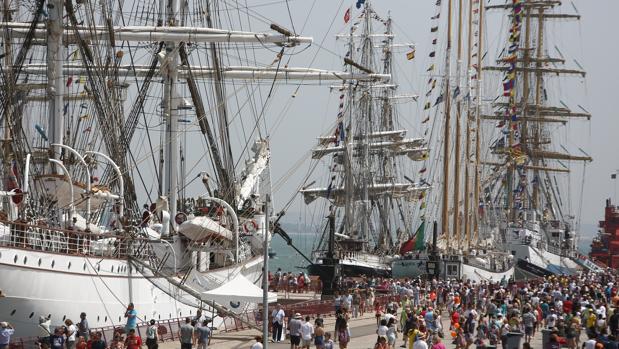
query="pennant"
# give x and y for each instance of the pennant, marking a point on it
(427, 106)
(432, 54)
(410, 55)
(425, 120)
(360, 3)
(438, 100)
(85, 116)
(347, 16)
(423, 170)
(66, 108)
(434, 29)
(434, 41)
(437, 16)
(438, 3)
(431, 67)
(69, 81)
(422, 206)
(456, 91)
(508, 86)
(433, 83)
(87, 129)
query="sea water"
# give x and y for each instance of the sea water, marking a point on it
(286, 257)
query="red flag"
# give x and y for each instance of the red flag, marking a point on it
(347, 16)
(407, 246)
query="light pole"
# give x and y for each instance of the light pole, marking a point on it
(81, 158)
(265, 276)
(121, 182)
(66, 173)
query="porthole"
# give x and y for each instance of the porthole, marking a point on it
(105, 320)
(64, 317)
(112, 268)
(84, 267)
(39, 262)
(15, 259)
(53, 263)
(31, 315)
(119, 319)
(98, 267)
(98, 318)
(25, 259)
(69, 266)
(13, 312)
(159, 316)
(0, 254)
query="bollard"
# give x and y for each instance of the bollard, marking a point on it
(546, 338)
(513, 340)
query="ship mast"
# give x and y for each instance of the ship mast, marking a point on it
(458, 136)
(531, 115)
(55, 77)
(467, 150)
(479, 71)
(446, 134)
(170, 99)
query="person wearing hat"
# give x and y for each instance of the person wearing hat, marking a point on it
(294, 327)
(6, 331)
(420, 342)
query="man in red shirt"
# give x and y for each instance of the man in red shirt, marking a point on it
(133, 341)
(567, 306)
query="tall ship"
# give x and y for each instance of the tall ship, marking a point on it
(605, 246)
(460, 248)
(525, 194)
(135, 156)
(366, 198)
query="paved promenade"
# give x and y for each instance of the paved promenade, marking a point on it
(363, 332)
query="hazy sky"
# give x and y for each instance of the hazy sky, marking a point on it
(591, 42)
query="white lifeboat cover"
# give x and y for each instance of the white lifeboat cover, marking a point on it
(204, 228)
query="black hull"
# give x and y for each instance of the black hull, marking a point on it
(526, 270)
(347, 270)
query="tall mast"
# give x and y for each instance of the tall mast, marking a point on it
(446, 135)
(538, 101)
(467, 151)
(55, 78)
(171, 112)
(456, 210)
(480, 54)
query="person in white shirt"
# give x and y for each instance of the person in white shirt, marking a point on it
(307, 333)
(382, 329)
(258, 344)
(420, 343)
(277, 316)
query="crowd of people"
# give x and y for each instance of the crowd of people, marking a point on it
(195, 332)
(579, 311)
(290, 282)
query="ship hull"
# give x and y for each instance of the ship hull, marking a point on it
(540, 259)
(39, 283)
(447, 269)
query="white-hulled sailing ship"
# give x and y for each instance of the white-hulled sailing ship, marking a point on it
(522, 199)
(104, 103)
(461, 251)
(367, 198)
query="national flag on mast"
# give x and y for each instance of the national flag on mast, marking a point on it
(347, 16)
(410, 55)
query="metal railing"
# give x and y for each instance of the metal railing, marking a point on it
(65, 241)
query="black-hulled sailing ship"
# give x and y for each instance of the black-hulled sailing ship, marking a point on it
(367, 196)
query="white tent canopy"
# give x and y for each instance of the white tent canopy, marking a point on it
(237, 290)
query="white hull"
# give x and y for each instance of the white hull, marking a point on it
(545, 259)
(417, 267)
(100, 287)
